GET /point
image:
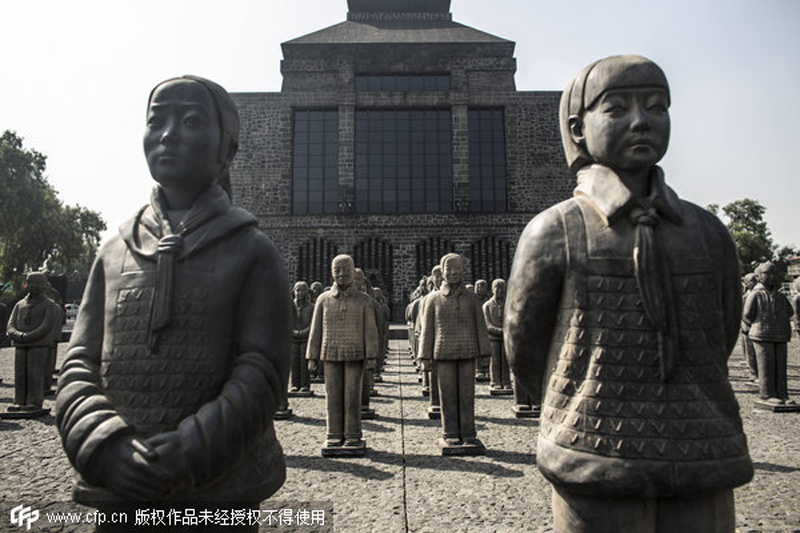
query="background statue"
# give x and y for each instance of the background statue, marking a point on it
(493, 313)
(344, 338)
(303, 312)
(30, 327)
(623, 307)
(180, 353)
(453, 336)
(483, 292)
(767, 321)
(748, 283)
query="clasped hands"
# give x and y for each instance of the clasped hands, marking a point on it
(144, 469)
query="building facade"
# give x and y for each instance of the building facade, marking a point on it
(398, 136)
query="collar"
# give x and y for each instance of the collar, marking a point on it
(613, 200)
(143, 232)
(447, 290)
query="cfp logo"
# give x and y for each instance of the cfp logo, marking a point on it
(21, 515)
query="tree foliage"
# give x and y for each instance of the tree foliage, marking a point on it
(752, 235)
(37, 231)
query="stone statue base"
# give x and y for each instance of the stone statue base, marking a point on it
(789, 407)
(282, 414)
(300, 393)
(317, 379)
(358, 450)
(527, 411)
(367, 413)
(481, 377)
(502, 392)
(434, 412)
(470, 447)
(18, 414)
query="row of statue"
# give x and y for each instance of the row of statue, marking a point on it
(622, 308)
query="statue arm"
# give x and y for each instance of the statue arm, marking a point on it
(11, 327)
(493, 329)
(482, 331)
(732, 291)
(427, 335)
(371, 338)
(533, 299)
(86, 420)
(223, 429)
(314, 346)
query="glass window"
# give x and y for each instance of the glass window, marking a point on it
(487, 160)
(315, 173)
(406, 166)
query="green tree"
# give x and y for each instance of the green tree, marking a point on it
(36, 230)
(752, 236)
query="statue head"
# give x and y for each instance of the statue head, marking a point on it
(437, 275)
(767, 274)
(452, 269)
(36, 283)
(343, 269)
(749, 281)
(499, 290)
(316, 289)
(300, 291)
(192, 134)
(377, 295)
(616, 112)
(482, 288)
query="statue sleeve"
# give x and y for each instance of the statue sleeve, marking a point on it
(371, 341)
(85, 418)
(482, 331)
(491, 327)
(533, 299)
(314, 346)
(427, 321)
(225, 428)
(11, 327)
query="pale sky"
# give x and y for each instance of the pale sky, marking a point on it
(76, 76)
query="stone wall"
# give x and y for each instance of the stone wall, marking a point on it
(262, 171)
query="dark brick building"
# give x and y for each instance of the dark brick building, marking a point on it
(398, 136)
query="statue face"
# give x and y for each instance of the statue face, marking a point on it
(182, 138)
(343, 272)
(500, 292)
(301, 293)
(35, 286)
(453, 271)
(767, 278)
(627, 129)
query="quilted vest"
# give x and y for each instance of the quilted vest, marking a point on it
(610, 425)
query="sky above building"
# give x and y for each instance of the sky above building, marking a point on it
(76, 76)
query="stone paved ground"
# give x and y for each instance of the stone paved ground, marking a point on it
(403, 484)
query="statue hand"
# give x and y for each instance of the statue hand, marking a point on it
(370, 364)
(425, 365)
(170, 458)
(126, 467)
(313, 366)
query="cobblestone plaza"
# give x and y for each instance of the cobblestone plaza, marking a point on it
(403, 484)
